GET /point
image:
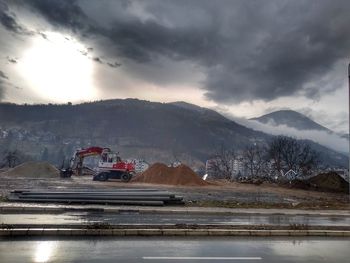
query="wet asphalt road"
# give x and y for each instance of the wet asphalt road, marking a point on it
(136, 218)
(172, 249)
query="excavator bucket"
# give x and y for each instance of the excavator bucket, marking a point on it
(66, 173)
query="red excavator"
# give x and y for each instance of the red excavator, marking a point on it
(110, 165)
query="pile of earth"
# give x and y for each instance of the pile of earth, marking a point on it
(159, 173)
(329, 182)
(34, 170)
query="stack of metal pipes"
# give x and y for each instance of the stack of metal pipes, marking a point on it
(83, 196)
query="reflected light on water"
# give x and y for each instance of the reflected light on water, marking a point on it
(44, 251)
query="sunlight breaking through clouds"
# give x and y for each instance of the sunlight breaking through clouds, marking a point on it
(58, 69)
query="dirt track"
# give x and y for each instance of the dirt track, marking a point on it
(222, 194)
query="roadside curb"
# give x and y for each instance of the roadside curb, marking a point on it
(17, 232)
(19, 209)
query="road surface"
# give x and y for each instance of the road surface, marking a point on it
(171, 249)
(163, 218)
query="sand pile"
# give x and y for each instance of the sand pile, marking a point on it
(34, 170)
(329, 182)
(159, 173)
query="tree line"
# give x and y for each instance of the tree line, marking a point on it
(275, 160)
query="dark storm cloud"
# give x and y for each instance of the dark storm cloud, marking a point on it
(97, 59)
(2, 89)
(11, 60)
(3, 75)
(3, 79)
(247, 49)
(43, 35)
(278, 55)
(8, 20)
(5, 83)
(103, 62)
(9, 23)
(114, 65)
(63, 13)
(144, 41)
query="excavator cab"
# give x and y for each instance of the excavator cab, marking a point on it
(109, 158)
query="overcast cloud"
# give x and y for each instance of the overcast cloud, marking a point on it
(3, 78)
(250, 49)
(234, 52)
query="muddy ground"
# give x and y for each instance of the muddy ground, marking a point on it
(222, 194)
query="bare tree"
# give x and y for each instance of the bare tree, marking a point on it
(275, 153)
(288, 153)
(11, 158)
(308, 159)
(222, 163)
(254, 160)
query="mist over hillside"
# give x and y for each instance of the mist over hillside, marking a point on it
(295, 124)
(291, 119)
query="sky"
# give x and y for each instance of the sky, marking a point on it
(243, 58)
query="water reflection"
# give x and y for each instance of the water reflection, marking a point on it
(133, 218)
(44, 251)
(321, 248)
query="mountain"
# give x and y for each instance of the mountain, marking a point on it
(188, 106)
(141, 129)
(292, 119)
(150, 130)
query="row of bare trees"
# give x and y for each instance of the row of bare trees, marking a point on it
(290, 154)
(271, 160)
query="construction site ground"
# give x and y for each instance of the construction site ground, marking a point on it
(219, 194)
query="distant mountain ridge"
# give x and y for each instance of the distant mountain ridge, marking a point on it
(187, 105)
(150, 130)
(136, 128)
(291, 119)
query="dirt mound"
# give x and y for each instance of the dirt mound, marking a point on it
(299, 184)
(34, 170)
(159, 173)
(328, 182)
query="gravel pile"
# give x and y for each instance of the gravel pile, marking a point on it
(33, 170)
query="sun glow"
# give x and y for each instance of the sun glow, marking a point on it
(58, 69)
